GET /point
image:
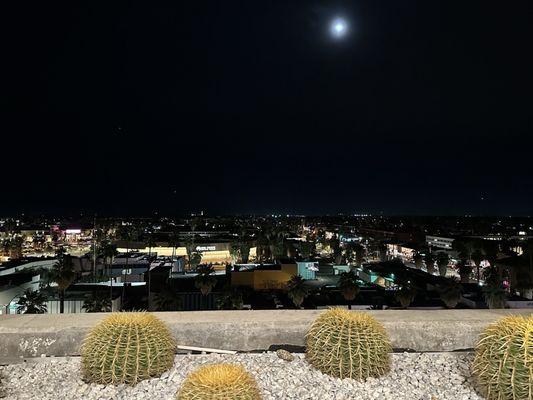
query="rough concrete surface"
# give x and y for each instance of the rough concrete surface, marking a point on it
(418, 330)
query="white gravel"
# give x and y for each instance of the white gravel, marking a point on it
(429, 376)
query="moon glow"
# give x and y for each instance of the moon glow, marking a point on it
(339, 27)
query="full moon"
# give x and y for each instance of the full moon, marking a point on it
(339, 27)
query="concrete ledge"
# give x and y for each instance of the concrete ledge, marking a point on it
(423, 331)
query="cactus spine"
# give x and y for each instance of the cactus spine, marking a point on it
(127, 348)
(348, 344)
(503, 364)
(219, 382)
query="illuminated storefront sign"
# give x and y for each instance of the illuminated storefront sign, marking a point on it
(206, 248)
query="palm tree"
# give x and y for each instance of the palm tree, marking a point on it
(296, 290)
(263, 249)
(167, 300)
(235, 253)
(32, 302)
(418, 260)
(442, 262)
(276, 243)
(321, 238)
(405, 295)
(348, 287)
(205, 281)
(491, 250)
(354, 253)
(230, 299)
(97, 302)
(12, 247)
(477, 257)
(336, 250)
(109, 252)
(382, 250)
(464, 248)
(464, 270)
(495, 296)
(194, 256)
(173, 241)
(450, 292)
(359, 254)
(306, 249)
(244, 250)
(151, 243)
(494, 293)
(523, 281)
(430, 263)
(128, 233)
(62, 274)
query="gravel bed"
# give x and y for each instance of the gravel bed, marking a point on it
(414, 376)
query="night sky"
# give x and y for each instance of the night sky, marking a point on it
(423, 107)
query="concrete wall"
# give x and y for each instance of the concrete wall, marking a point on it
(61, 335)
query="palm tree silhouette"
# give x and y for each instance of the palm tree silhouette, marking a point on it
(32, 302)
(442, 262)
(348, 286)
(418, 260)
(296, 290)
(205, 281)
(430, 263)
(477, 257)
(97, 302)
(63, 274)
(464, 269)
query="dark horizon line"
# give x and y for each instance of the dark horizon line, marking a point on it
(252, 215)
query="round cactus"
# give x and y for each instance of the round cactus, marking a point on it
(503, 364)
(219, 382)
(348, 344)
(127, 348)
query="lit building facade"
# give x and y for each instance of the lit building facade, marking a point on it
(273, 276)
(439, 242)
(212, 253)
(401, 251)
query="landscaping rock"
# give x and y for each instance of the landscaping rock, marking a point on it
(285, 355)
(414, 376)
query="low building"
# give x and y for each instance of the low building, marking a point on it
(272, 276)
(439, 242)
(404, 252)
(212, 253)
(18, 275)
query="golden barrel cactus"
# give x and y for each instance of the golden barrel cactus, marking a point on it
(348, 344)
(127, 348)
(219, 382)
(503, 364)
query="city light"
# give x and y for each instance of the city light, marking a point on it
(339, 27)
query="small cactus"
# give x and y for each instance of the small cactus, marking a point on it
(219, 382)
(347, 344)
(127, 348)
(503, 364)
